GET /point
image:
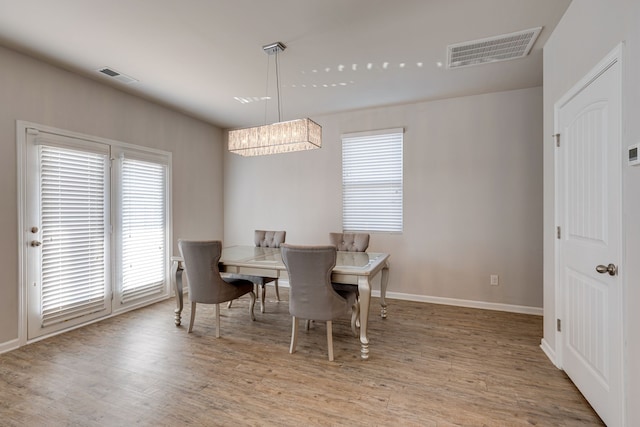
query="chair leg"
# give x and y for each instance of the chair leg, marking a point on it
(306, 325)
(263, 297)
(251, 305)
(294, 334)
(275, 283)
(355, 318)
(330, 340)
(193, 317)
(217, 309)
(229, 304)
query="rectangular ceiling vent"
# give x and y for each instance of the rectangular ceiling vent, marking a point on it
(116, 75)
(492, 49)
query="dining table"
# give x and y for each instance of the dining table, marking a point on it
(355, 268)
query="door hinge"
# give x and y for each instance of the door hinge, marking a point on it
(559, 325)
(556, 136)
(558, 232)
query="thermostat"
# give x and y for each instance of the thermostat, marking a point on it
(634, 160)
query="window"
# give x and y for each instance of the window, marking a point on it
(372, 181)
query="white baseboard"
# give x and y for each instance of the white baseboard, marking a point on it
(9, 345)
(537, 311)
(551, 354)
(522, 309)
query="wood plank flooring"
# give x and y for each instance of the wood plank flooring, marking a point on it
(430, 365)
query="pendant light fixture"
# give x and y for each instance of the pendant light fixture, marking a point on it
(280, 137)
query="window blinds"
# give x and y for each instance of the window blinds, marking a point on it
(72, 201)
(143, 228)
(372, 181)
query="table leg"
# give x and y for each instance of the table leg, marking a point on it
(383, 290)
(176, 278)
(364, 287)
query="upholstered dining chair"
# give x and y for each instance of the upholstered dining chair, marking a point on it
(311, 293)
(268, 239)
(206, 285)
(350, 242)
(264, 239)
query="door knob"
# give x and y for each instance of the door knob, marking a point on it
(611, 269)
(35, 243)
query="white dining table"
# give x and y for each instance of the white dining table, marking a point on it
(356, 268)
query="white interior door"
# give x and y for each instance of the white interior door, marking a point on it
(588, 121)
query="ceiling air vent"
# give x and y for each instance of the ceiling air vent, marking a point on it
(116, 75)
(492, 49)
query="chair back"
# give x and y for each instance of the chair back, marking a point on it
(203, 274)
(350, 242)
(269, 239)
(311, 295)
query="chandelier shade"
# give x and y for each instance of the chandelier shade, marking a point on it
(281, 137)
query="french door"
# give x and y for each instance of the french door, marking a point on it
(96, 228)
(68, 226)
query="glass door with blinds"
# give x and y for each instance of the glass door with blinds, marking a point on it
(96, 228)
(68, 273)
(140, 212)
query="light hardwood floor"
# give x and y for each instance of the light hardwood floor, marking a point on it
(430, 365)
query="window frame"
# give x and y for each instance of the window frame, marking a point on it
(362, 181)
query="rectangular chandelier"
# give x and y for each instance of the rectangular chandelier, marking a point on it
(281, 137)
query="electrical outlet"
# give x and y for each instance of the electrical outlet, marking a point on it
(494, 280)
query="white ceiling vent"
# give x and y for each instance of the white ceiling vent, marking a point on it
(492, 49)
(116, 75)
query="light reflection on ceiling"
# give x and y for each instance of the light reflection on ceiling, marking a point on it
(341, 68)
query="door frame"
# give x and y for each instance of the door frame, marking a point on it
(613, 57)
(22, 180)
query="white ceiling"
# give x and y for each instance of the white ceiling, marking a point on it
(198, 55)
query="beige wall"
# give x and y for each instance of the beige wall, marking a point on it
(589, 30)
(33, 91)
(472, 196)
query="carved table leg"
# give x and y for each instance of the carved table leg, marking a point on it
(383, 291)
(364, 287)
(176, 278)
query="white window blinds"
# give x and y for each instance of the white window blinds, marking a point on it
(72, 200)
(144, 228)
(372, 181)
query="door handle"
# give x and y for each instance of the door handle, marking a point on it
(611, 269)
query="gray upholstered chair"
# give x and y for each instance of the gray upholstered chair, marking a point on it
(206, 286)
(311, 294)
(350, 242)
(264, 239)
(268, 239)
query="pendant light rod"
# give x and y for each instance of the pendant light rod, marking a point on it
(274, 49)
